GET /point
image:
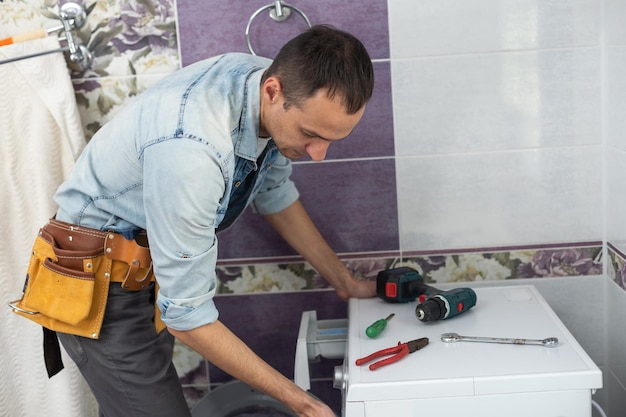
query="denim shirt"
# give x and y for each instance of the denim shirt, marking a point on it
(169, 163)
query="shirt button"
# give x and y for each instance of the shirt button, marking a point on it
(237, 184)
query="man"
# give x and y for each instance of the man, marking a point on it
(181, 162)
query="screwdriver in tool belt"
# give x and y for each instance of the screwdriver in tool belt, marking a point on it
(378, 326)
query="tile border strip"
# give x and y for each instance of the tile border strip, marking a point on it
(289, 274)
(616, 265)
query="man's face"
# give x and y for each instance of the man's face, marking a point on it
(308, 129)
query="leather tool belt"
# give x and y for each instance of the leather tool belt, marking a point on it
(68, 277)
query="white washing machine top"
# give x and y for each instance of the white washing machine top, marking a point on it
(467, 369)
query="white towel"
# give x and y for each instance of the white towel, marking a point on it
(40, 138)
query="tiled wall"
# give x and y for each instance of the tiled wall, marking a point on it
(615, 124)
(492, 147)
(614, 58)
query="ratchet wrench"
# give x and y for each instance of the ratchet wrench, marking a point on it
(453, 338)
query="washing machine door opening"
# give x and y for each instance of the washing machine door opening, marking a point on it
(236, 399)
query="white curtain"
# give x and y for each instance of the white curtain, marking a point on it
(40, 138)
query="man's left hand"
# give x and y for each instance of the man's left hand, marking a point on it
(355, 288)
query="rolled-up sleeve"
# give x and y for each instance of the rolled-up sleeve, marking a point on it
(184, 184)
(278, 191)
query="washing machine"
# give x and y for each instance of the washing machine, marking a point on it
(443, 379)
(448, 379)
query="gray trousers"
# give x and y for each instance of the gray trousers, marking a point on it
(129, 368)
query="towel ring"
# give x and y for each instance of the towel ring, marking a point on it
(279, 11)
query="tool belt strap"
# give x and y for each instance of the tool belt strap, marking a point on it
(134, 257)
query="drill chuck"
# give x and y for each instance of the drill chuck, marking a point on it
(446, 304)
(432, 309)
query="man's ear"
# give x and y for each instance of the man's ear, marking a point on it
(272, 88)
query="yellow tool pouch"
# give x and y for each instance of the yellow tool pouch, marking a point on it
(68, 277)
(65, 289)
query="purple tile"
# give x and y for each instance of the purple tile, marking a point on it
(213, 27)
(250, 237)
(364, 220)
(366, 19)
(269, 323)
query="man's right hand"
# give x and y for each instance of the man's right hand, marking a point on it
(318, 409)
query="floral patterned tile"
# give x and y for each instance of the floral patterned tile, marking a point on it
(193, 394)
(459, 267)
(193, 373)
(616, 267)
(98, 100)
(539, 263)
(125, 37)
(279, 277)
(130, 38)
(190, 365)
(133, 44)
(22, 16)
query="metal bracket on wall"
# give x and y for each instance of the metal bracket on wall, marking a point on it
(72, 16)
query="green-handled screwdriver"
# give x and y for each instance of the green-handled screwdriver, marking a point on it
(378, 326)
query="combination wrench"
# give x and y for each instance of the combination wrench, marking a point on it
(453, 338)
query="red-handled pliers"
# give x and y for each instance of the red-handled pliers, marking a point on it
(398, 353)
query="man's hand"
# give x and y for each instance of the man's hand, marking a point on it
(355, 288)
(316, 409)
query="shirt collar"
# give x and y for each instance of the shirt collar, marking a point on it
(247, 137)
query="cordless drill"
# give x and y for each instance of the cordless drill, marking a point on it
(401, 285)
(446, 304)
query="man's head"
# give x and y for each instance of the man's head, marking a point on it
(315, 91)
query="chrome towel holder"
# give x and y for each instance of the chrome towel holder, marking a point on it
(279, 12)
(72, 16)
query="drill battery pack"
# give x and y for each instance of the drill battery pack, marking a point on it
(397, 285)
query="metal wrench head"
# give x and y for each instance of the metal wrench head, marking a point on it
(450, 337)
(550, 342)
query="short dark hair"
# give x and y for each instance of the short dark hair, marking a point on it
(324, 57)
